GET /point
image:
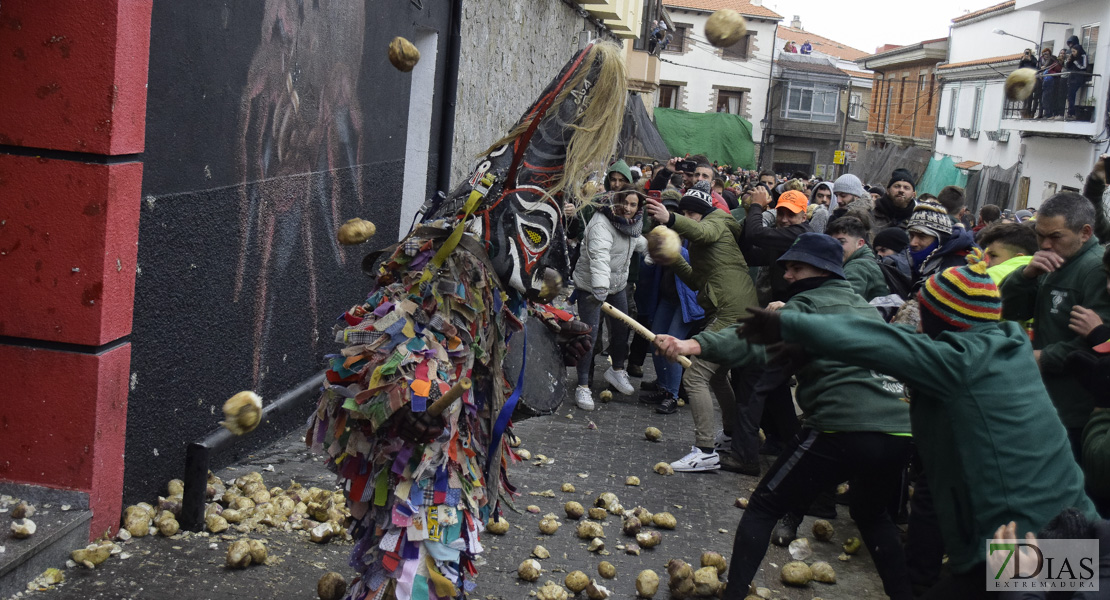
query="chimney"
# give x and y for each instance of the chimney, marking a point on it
(797, 22)
(757, 2)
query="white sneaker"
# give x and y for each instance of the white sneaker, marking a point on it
(721, 441)
(584, 398)
(619, 379)
(697, 460)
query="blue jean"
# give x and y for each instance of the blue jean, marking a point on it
(668, 320)
(1075, 81)
(1048, 97)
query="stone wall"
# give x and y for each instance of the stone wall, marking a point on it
(511, 49)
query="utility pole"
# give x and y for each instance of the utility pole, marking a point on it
(844, 129)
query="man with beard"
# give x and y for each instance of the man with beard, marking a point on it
(894, 209)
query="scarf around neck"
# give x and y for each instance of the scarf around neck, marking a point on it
(805, 285)
(632, 228)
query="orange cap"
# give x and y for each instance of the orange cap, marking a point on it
(793, 200)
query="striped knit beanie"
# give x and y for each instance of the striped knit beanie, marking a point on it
(930, 218)
(962, 296)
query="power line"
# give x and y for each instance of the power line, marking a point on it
(707, 69)
(699, 43)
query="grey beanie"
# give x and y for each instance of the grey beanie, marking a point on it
(849, 184)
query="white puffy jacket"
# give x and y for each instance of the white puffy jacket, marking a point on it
(606, 256)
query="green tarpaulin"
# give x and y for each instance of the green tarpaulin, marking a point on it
(942, 172)
(725, 139)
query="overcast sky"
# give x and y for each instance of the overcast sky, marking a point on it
(868, 24)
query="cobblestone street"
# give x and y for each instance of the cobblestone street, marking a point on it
(593, 460)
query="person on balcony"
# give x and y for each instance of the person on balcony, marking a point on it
(1050, 80)
(1061, 85)
(1076, 67)
(1028, 107)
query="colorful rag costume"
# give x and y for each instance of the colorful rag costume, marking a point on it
(443, 306)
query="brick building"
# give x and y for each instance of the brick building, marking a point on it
(905, 98)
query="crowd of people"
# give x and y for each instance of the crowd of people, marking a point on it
(952, 368)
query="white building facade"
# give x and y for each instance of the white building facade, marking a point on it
(980, 130)
(697, 77)
(1059, 154)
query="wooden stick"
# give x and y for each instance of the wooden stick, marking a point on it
(449, 398)
(638, 328)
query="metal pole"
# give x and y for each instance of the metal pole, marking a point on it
(767, 110)
(198, 455)
(844, 130)
(450, 91)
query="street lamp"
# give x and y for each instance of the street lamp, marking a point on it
(1000, 32)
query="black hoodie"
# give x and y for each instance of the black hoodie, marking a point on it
(1078, 63)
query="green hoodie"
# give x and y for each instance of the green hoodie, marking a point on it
(1048, 300)
(833, 395)
(988, 437)
(863, 272)
(719, 272)
(620, 167)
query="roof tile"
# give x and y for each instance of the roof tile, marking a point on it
(820, 43)
(740, 6)
(796, 62)
(983, 11)
(982, 61)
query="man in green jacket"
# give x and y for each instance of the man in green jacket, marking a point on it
(718, 271)
(861, 268)
(1065, 272)
(992, 449)
(856, 424)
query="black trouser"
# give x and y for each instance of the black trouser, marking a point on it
(749, 409)
(762, 397)
(872, 464)
(780, 420)
(924, 544)
(969, 585)
(640, 346)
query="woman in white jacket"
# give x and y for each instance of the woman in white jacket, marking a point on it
(601, 275)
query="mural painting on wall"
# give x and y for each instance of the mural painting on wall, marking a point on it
(299, 150)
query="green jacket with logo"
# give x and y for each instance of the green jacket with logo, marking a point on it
(987, 433)
(717, 269)
(1048, 300)
(833, 395)
(865, 275)
(1096, 453)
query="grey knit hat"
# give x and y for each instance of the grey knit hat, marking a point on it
(849, 184)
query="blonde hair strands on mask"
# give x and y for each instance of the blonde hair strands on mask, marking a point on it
(596, 128)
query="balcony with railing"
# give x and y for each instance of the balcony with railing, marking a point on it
(1047, 113)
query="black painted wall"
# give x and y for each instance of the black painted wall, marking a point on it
(268, 123)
